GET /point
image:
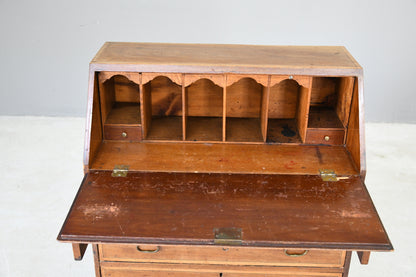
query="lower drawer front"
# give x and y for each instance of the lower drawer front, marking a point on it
(122, 269)
(221, 255)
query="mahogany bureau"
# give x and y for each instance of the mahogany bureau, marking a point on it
(224, 160)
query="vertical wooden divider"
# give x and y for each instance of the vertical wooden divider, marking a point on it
(302, 114)
(146, 102)
(107, 95)
(265, 109)
(184, 108)
(224, 109)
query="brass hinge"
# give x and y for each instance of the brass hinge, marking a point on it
(228, 236)
(328, 175)
(120, 170)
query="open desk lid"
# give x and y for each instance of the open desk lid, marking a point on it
(287, 211)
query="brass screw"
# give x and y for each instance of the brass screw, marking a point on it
(326, 138)
(124, 134)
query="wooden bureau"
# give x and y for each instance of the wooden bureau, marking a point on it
(224, 160)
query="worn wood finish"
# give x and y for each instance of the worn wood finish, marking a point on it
(283, 131)
(318, 136)
(227, 134)
(224, 158)
(118, 269)
(221, 255)
(212, 58)
(79, 250)
(364, 256)
(184, 208)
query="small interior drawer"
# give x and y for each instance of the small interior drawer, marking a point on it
(121, 132)
(325, 136)
(222, 255)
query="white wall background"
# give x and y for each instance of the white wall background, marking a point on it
(46, 45)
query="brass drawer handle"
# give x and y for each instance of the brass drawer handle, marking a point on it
(297, 254)
(148, 251)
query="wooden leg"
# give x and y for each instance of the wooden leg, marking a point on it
(79, 250)
(347, 264)
(96, 260)
(364, 256)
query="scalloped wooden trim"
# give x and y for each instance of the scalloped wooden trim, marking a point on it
(261, 79)
(177, 78)
(218, 79)
(132, 76)
(304, 81)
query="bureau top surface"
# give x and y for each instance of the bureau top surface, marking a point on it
(219, 58)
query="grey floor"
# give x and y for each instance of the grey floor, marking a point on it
(41, 169)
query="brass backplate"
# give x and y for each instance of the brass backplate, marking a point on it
(120, 170)
(228, 236)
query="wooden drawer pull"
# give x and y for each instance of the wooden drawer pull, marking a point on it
(148, 251)
(296, 254)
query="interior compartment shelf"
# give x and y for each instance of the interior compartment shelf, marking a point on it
(324, 117)
(282, 131)
(243, 130)
(244, 107)
(162, 108)
(204, 128)
(124, 113)
(330, 102)
(204, 109)
(165, 128)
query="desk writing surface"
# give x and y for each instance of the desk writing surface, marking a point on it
(184, 208)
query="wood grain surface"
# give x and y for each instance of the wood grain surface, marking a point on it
(286, 211)
(224, 158)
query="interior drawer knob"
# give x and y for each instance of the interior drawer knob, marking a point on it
(124, 134)
(148, 251)
(326, 138)
(296, 254)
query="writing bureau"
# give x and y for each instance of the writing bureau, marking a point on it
(224, 160)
